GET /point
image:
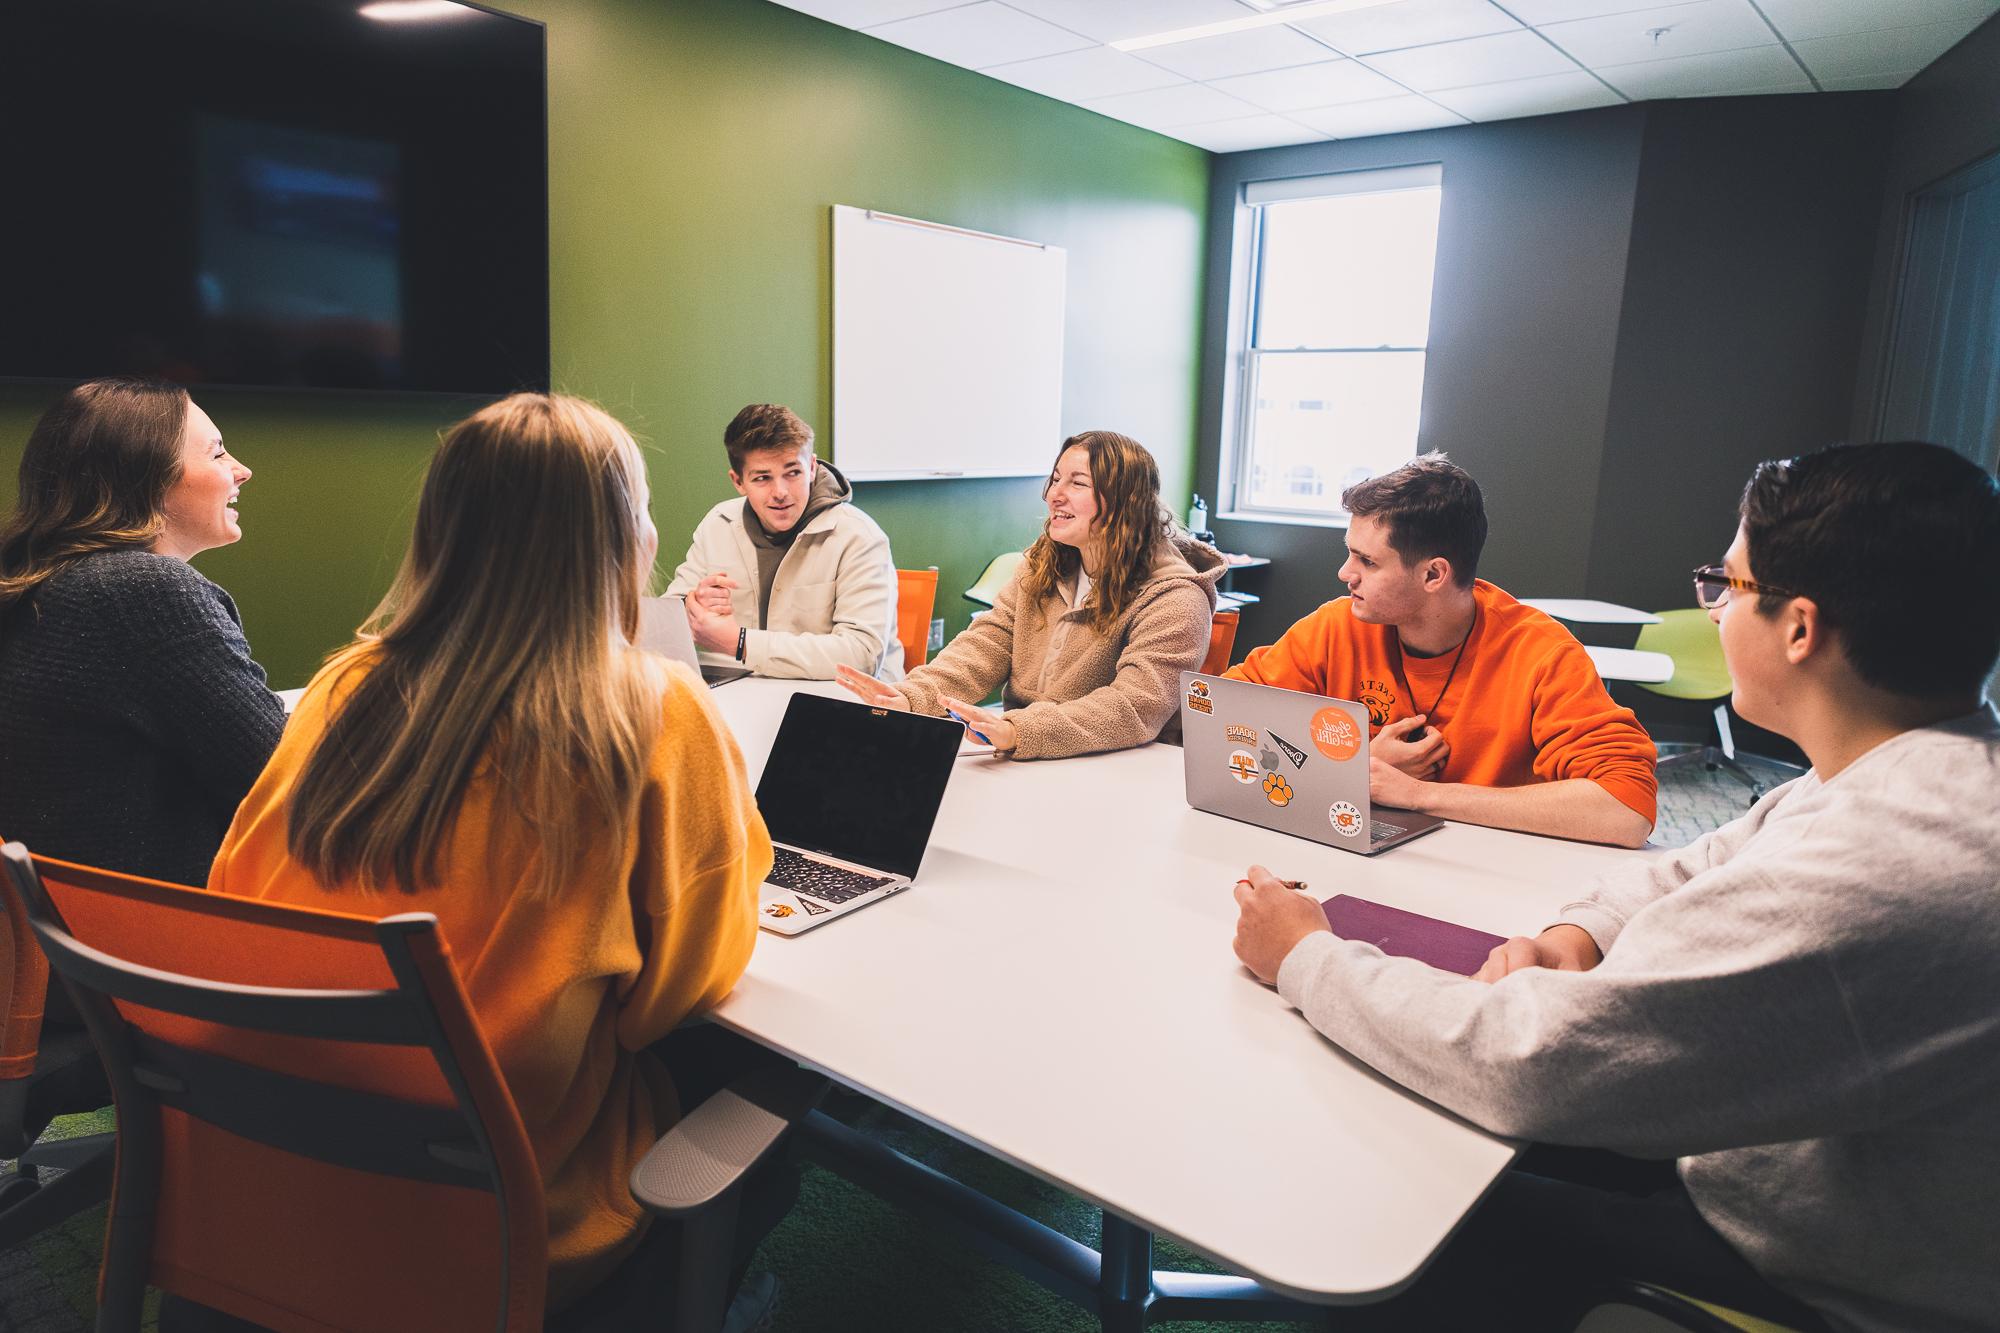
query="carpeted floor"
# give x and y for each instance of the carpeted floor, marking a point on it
(846, 1259)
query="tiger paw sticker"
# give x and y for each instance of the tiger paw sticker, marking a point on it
(1345, 818)
(1276, 790)
(779, 910)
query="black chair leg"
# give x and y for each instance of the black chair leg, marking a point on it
(83, 1186)
(708, 1258)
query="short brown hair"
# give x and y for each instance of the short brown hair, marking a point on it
(764, 426)
(1432, 507)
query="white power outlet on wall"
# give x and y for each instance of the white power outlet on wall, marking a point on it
(937, 636)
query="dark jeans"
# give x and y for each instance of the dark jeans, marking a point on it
(1557, 1230)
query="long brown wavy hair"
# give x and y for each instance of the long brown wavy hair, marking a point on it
(496, 650)
(94, 477)
(1134, 525)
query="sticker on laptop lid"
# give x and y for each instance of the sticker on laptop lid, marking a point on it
(1197, 697)
(1345, 818)
(779, 910)
(813, 908)
(1335, 735)
(1243, 766)
(1241, 735)
(1292, 752)
(1276, 789)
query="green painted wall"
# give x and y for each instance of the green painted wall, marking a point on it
(694, 149)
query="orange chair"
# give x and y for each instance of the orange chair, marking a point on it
(43, 1074)
(1221, 638)
(313, 1132)
(916, 595)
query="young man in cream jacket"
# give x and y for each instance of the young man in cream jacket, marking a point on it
(792, 580)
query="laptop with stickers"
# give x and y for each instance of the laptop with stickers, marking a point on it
(1296, 763)
(663, 629)
(849, 794)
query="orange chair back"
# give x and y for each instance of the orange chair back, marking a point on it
(24, 985)
(313, 1133)
(1221, 638)
(916, 595)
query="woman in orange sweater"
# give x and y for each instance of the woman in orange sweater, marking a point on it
(496, 752)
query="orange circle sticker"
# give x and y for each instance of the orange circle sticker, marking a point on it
(1334, 734)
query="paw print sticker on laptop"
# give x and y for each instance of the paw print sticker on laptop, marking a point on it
(1277, 790)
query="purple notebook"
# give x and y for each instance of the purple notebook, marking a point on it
(1459, 949)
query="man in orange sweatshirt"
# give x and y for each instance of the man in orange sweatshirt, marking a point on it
(1481, 709)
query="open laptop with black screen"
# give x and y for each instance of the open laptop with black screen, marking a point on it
(849, 794)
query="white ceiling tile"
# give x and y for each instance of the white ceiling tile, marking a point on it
(1115, 20)
(1507, 55)
(1537, 12)
(1387, 115)
(988, 33)
(862, 13)
(1408, 23)
(1718, 74)
(1237, 136)
(1544, 96)
(1884, 52)
(1868, 82)
(1690, 30)
(1095, 71)
(1165, 108)
(1802, 20)
(1237, 53)
(1325, 84)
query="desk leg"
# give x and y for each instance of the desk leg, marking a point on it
(1125, 1288)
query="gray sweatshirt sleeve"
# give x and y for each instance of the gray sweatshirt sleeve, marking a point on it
(1618, 898)
(1710, 1027)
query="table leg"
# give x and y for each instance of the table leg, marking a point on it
(1125, 1289)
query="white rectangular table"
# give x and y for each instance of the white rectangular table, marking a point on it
(1058, 990)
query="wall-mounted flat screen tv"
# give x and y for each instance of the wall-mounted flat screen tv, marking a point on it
(323, 194)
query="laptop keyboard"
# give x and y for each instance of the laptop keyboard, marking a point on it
(1381, 832)
(829, 884)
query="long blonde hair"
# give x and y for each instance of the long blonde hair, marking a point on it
(1136, 528)
(494, 652)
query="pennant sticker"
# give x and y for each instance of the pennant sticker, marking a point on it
(1292, 752)
(813, 908)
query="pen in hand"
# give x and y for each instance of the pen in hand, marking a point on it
(1295, 885)
(970, 730)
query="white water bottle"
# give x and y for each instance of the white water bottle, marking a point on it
(1198, 515)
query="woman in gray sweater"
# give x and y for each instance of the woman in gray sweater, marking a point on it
(132, 718)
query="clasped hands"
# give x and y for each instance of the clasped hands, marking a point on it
(711, 616)
(1399, 766)
(991, 726)
(1273, 917)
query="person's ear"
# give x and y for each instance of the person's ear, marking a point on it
(1437, 573)
(737, 482)
(1805, 630)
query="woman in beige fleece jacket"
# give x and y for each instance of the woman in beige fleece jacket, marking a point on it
(1093, 631)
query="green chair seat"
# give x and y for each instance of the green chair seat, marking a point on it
(1692, 640)
(994, 577)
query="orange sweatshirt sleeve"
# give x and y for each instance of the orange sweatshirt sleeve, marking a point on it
(1579, 732)
(703, 851)
(1298, 660)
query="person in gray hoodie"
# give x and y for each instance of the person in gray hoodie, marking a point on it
(792, 580)
(1802, 1008)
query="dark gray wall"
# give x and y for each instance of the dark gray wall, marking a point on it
(1530, 272)
(1947, 117)
(1746, 288)
(1632, 307)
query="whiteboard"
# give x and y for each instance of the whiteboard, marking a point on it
(947, 350)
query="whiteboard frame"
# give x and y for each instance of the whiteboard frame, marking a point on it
(833, 318)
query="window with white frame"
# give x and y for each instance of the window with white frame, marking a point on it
(1338, 321)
